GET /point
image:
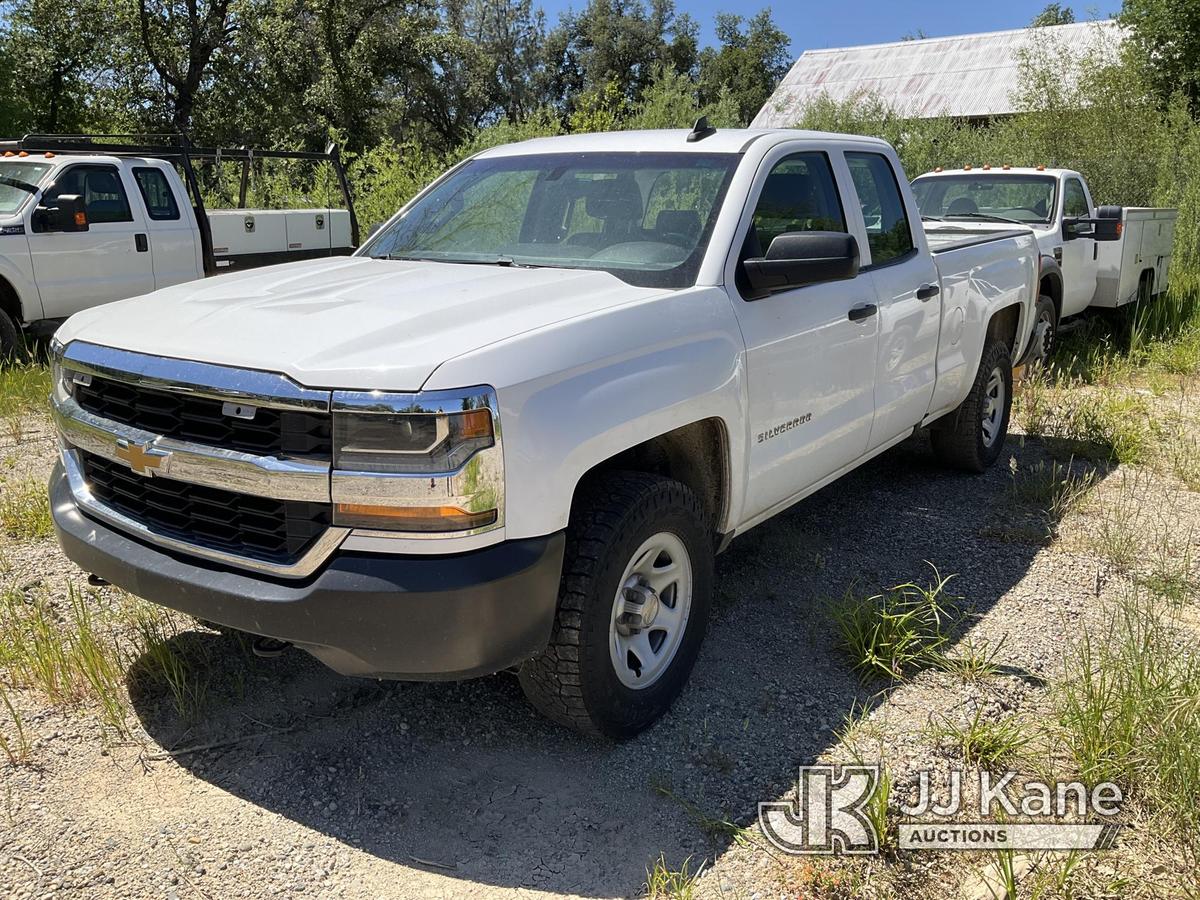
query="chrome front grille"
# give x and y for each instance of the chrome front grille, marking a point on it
(221, 463)
(260, 528)
(203, 420)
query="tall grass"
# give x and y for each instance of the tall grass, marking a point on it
(892, 633)
(1130, 709)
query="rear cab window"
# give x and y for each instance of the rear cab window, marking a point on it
(156, 194)
(889, 233)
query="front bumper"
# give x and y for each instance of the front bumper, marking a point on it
(404, 617)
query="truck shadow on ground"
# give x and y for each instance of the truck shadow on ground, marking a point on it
(466, 781)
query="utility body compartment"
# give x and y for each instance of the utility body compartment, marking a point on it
(1145, 249)
(253, 237)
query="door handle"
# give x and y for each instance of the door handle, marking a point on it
(928, 292)
(141, 242)
(862, 311)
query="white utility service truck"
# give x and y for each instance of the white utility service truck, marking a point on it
(1105, 256)
(513, 430)
(85, 221)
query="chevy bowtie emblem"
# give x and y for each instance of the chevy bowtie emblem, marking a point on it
(145, 459)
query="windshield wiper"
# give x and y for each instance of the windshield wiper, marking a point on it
(502, 261)
(17, 183)
(925, 218)
(984, 217)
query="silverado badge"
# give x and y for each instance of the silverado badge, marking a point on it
(145, 459)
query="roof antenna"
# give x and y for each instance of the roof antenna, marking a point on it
(701, 130)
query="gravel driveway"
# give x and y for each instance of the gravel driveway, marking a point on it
(317, 785)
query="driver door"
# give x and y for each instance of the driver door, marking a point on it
(109, 261)
(1078, 254)
(810, 368)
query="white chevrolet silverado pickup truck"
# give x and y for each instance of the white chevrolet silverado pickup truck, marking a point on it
(1092, 257)
(513, 430)
(86, 221)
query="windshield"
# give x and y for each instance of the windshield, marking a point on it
(644, 217)
(12, 176)
(1021, 198)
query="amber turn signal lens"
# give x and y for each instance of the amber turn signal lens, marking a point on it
(475, 424)
(410, 518)
(81, 219)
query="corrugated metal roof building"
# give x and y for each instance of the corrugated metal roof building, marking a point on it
(969, 76)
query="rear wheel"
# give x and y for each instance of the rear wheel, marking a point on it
(1046, 324)
(972, 437)
(632, 610)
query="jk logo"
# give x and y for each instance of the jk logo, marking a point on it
(827, 815)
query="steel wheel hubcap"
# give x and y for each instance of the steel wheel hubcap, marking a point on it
(650, 611)
(993, 407)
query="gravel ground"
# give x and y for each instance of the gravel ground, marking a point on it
(318, 785)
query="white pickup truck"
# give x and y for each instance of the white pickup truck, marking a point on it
(1105, 256)
(515, 427)
(88, 221)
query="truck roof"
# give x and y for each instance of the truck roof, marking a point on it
(1003, 170)
(61, 158)
(722, 140)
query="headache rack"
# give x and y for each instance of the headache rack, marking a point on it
(178, 149)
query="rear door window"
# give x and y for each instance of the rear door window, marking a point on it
(889, 234)
(157, 194)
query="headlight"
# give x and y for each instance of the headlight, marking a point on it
(62, 384)
(425, 464)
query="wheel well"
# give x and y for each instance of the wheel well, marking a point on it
(1003, 326)
(1051, 286)
(696, 455)
(9, 301)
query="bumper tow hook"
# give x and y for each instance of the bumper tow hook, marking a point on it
(269, 648)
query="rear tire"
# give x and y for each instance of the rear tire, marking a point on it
(1046, 314)
(12, 342)
(972, 437)
(632, 610)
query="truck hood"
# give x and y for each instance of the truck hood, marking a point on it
(348, 322)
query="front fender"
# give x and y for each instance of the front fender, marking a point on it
(579, 392)
(16, 270)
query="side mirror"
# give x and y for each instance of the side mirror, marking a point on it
(66, 212)
(1109, 223)
(800, 258)
(1077, 228)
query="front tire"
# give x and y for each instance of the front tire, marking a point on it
(972, 437)
(12, 342)
(632, 610)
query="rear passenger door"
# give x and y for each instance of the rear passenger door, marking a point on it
(905, 281)
(809, 367)
(173, 238)
(109, 261)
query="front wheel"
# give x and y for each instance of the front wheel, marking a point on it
(632, 610)
(972, 437)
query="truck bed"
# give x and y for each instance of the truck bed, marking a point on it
(1144, 250)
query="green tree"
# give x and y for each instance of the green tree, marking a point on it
(1053, 14)
(180, 38)
(51, 69)
(1165, 42)
(751, 59)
